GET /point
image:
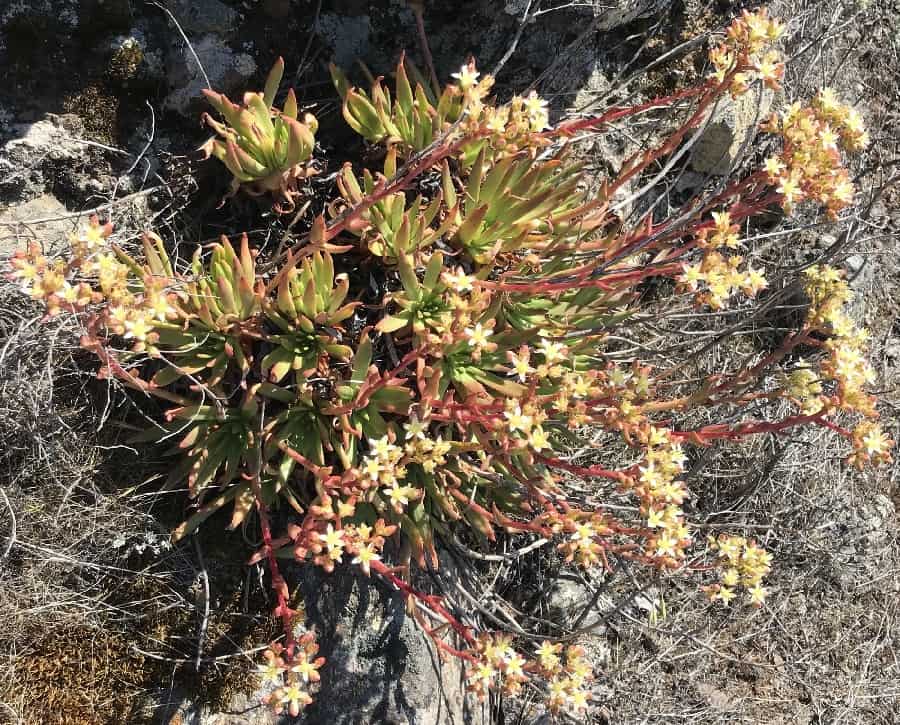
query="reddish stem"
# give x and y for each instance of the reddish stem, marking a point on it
(707, 434)
(596, 471)
(618, 112)
(279, 586)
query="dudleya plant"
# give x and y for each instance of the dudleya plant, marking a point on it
(267, 150)
(445, 405)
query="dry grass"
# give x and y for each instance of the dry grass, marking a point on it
(99, 616)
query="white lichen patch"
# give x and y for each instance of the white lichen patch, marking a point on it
(244, 64)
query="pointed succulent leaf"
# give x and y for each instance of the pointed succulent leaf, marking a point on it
(405, 98)
(300, 142)
(408, 276)
(207, 510)
(361, 360)
(273, 81)
(364, 115)
(433, 271)
(341, 84)
(290, 105)
(262, 118)
(392, 323)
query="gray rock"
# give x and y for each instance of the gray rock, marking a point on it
(515, 7)
(733, 124)
(348, 36)
(825, 241)
(861, 274)
(578, 72)
(108, 14)
(590, 91)
(625, 11)
(570, 39)
(611, 14)
(32, 161)
(21, 224)
(227, 70)
(381, 669)
(567, 599)
(204, 16)
(689, 181)
(65, 11)
(241, 710)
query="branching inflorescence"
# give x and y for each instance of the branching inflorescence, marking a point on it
(447, 401)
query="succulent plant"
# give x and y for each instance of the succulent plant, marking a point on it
(307, 310)
(418, 365)
(267, 150)
(391, 227)
(516, 203)
(414, 119)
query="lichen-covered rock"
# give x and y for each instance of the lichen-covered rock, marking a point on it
(132, 57)
(42, 155)
(226, 69)
(204, 16)
(348, 36)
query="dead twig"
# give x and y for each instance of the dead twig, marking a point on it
(204, 623)
(12, 526)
